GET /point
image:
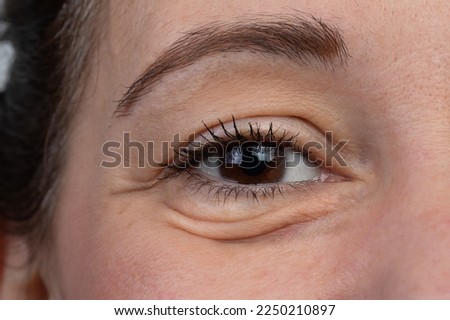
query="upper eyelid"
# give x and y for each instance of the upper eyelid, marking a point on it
(262, 127)
(255, 133)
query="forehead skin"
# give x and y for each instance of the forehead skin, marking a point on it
(110, 245)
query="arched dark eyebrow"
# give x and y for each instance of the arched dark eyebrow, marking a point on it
(302, 39)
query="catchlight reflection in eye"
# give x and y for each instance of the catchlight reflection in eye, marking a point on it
(258, 163)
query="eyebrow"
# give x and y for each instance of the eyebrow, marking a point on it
(300, 38)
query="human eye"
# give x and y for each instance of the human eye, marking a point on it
(246, 177)
(252, 160)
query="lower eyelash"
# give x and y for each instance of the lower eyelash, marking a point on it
(190, 153)
(221, 192)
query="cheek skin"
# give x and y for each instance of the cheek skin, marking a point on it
(134, 257)
(416, 225)
(116, 248)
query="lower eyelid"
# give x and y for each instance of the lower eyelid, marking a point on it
(179, 193)
(236, 219)
(217, 230)
(220, 193)
(215, 225)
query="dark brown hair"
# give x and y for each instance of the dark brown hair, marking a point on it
(52, 41)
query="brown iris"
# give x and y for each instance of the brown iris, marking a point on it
(251, 162)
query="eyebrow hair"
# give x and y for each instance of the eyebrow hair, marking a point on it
(299, 38)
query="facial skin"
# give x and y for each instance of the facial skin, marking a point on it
(382, 233)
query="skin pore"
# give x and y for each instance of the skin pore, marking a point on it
(382, 231)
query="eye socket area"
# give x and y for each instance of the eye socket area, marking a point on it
(218, 195)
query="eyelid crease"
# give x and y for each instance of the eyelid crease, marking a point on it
(236, 230)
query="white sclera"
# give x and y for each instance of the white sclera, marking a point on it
(298, 168)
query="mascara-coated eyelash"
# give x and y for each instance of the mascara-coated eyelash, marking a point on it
(196, 151)
(248, 163)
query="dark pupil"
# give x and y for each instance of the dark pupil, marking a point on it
(250, 163)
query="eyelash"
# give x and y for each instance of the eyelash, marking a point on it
(222, 191)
